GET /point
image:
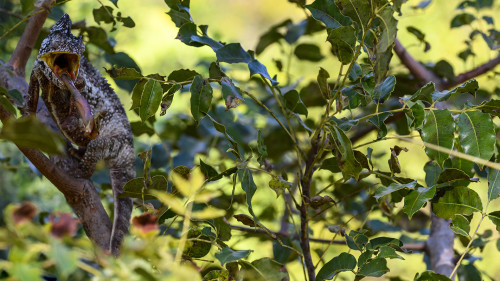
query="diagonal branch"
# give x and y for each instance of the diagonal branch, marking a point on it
(482, 69)
(79, 193)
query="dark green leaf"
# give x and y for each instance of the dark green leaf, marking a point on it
(136, 188)
(331, 165)
(182, 75)
(430, 276)
(179, 17)
(383, 90)
(374, 268)
(322, 79)
(491, 107)
(104, 14)
(457, 200)
(476, 134)
(495, 218)
(438, 129)
(294, 103)
(493, 184)
(417, 198)
(382, 191)
(469, 272)
(343, 40)
(379, 122)
(29, 132)
(356, 240)
(220, 128)
(452, 175)
(425, 93)
(340, 263)
(139, 128)
(168, 98)
(270, 37)
(256, 67)
(348, 164)
(344, 123)
(444, 69)
(233, 53)
(228, 255)
(387, 252)
(248, 185)
(6, 104)
(208, 170)
(415, 31)
(201, 98)
(462, 19)
(492, 39)
(310, 52)
(98, 37)
(358, 11)
(328, 13)
(460, 225)
(124, 73)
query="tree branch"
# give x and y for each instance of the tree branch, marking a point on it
(79, 193)
(416, 68)
(482, 69)
(440, 246)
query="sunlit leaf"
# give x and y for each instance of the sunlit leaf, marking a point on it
(493, 183)
(460, 225)
(476, 134)
(438, 129)
(374, 268)
(417, 198)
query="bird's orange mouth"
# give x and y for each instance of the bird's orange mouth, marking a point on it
(63, 62)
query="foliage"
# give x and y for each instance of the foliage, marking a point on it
(201, 181)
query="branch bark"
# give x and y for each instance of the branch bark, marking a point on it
(440, 246)
(79, 193)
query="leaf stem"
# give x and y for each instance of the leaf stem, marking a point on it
(185, 230)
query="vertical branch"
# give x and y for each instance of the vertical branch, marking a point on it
(440, 246)
(23, 49)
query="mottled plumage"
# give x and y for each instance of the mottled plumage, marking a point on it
(111, 137)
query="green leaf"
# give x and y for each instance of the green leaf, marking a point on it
(379, 122)
(374, 268)
(389, 29)
(6, 104)
(430, 276)
(136, 188)
(495, 218)
(25, 271)
(387, 252)
(476, 134)
(66, 260)
(294, 103)
(248, 185)
(348, 164)
(30, 132)
(356, 240)
(104, 14)
(150, 99)
(340, 263)
(457, 200)
(358, 10)
(452, 175)
(322, 79)
(201, 98)
(331, 165)
(417, 198)
(462, 19)
(182, 75)
(168, 98)
(393, 187)
(256, 67)
(124, 73)
(228, 255)
(233, 53)
(438, 129)
(425, 93)
(271, 36)
(99, 37)
(208, 170)
(188, 35)
(469, 87)
(383, 90)
(328, 13)
(343, 40)
(264, 269)
(491, 107)
(344, 123)
(460, 225)
(309, 52)
(493, 184)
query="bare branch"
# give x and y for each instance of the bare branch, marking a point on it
(416, 68)
(440, 246)
(482, 69)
